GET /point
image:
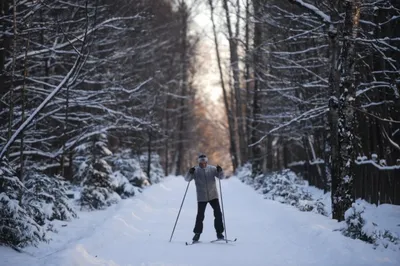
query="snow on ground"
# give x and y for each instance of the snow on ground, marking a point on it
(137, 230)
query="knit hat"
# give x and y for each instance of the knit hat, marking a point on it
(202, 158)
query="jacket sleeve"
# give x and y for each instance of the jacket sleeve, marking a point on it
(189, 176)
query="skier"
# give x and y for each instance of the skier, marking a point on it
(206, 189)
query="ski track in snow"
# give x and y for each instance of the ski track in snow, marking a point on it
(137, 231)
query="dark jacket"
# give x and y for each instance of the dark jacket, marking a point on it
(204, 179)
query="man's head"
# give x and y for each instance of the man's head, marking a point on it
(203, 160)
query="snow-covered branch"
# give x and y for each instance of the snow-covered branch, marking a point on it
(305, 116)
(40, 107)
(314, 10)
(79, 38)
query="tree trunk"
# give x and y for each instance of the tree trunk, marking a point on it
(11, 117)
(285, 154)
(64, 135)
(149, 155)
(247, 80)
(184, 84)
(167, 126)
(234, 60)
(4, 48)
(342, 195)
(257, 61)
(232, 143)
(21, 171)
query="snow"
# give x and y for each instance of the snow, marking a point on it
(106, 151)
(325, 18)
(296, 163)
(382, 163)
(136, 231)
(317, 161)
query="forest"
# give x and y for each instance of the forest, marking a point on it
(101, 96)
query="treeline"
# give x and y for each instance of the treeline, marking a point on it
(82, 81)
(124, 71)
(313, 81)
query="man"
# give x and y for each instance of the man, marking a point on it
(206, 189)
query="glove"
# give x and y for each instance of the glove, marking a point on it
(192, 170)
(219, 169)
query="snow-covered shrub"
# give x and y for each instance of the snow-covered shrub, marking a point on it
(244, 174)
(316, 206)
(98, 192)
(283, 186)
(259, 182)
(156, 170)
(122, 186)
(387, 239)
(17, 227)
(46, 198)
(356, 226)
(127, 165)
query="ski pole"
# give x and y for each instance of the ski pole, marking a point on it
(223, 214)
(180, 210)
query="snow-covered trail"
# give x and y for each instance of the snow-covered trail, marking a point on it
(137, 232)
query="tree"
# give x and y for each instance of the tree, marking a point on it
(322, 76)
(228, 108)
(18, 229)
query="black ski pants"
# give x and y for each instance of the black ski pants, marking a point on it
(201, 208)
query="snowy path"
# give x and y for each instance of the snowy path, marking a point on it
(137, 232)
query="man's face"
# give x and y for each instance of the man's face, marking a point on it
(203, 164)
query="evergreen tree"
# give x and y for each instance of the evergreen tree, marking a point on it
(98, 191)
(155, 172)
(127, 165)
(46, 198)
(17, 227)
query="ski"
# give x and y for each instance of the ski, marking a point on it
(212, 241)
(223, 240)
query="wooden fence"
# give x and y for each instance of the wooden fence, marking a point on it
(374, 183)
